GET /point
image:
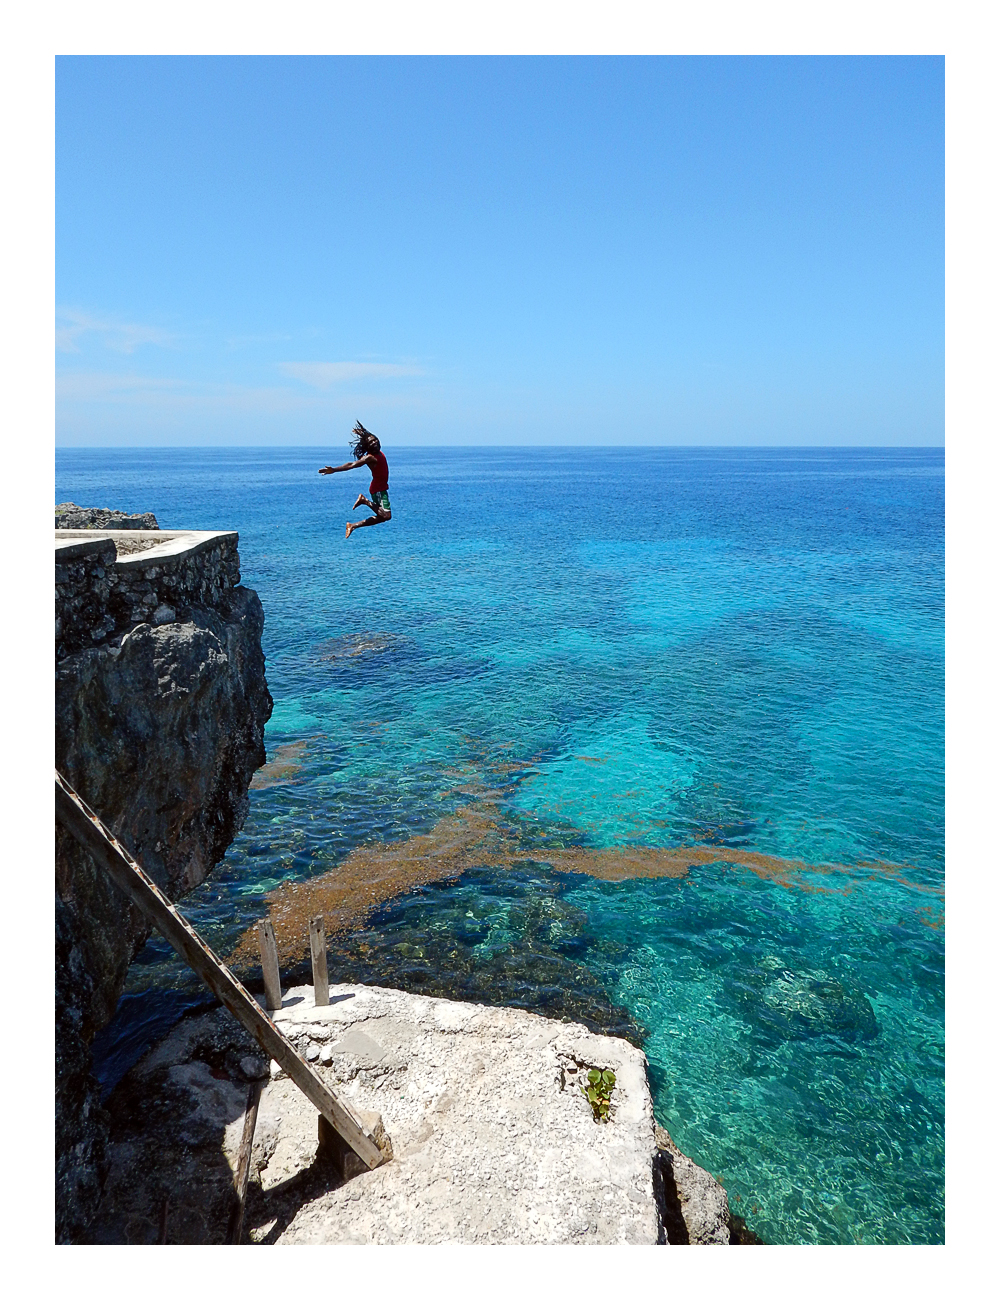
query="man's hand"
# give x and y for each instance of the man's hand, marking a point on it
(328, 469)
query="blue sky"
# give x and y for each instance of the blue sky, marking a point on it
(541, 251)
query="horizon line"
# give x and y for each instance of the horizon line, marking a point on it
(514, 446)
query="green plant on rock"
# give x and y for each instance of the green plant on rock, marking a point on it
(597, 1090)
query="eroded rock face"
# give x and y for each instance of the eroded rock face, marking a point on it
(70, 515)
(493, 1139)
(161, 735)
(694, 1206)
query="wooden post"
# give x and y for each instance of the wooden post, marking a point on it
(269, 965)
(88, 829)
(317, 947)
(243, 1163)
(332, 1146)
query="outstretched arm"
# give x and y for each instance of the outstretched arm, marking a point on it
(351, 464)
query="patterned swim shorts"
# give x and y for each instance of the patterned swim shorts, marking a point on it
(380, 500)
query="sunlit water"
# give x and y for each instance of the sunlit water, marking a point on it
(664, 647)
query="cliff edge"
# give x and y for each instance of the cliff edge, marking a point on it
(161, 703)
(494, 1139)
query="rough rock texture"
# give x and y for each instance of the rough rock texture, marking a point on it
(693, 1206)
(107, 583)
(176, 1121)
(161, 733)
(492, 1138)
(69, 515)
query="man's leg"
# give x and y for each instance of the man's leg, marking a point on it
(362, 501)
(382, 517)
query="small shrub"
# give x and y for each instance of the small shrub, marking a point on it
(597, 1090)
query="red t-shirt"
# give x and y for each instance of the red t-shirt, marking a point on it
(380, 474)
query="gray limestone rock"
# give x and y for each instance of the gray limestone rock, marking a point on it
(694, 1206)
(69, 515)
(254, 1067)
(162, 741)
(491, 1140)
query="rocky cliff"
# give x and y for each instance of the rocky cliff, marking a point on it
(70, 515)
(493, 1137)
(160, 713)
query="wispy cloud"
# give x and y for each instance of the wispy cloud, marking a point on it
(324, 374)
(87, 386)
(150, 394)
(157, 392)
(119, 336)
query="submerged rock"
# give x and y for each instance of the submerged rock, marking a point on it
(796, 1003)
(503, 939)
(359, 645)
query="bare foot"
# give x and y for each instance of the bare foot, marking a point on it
(350, 529)
(361, 501)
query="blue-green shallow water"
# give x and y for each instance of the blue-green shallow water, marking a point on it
(746, 645)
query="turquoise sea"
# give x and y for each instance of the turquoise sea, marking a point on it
(610, 650)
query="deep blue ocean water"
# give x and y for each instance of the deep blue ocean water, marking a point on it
(740, 647)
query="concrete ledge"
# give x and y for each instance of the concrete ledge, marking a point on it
(73, 546)
(164, 546)
(108, 581)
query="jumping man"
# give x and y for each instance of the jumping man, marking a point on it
(368, 451)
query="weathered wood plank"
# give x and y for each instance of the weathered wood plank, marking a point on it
(269, 965)
(87, 828)
(243, 1163)
(317, 949)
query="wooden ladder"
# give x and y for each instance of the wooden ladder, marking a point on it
(86, 827)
